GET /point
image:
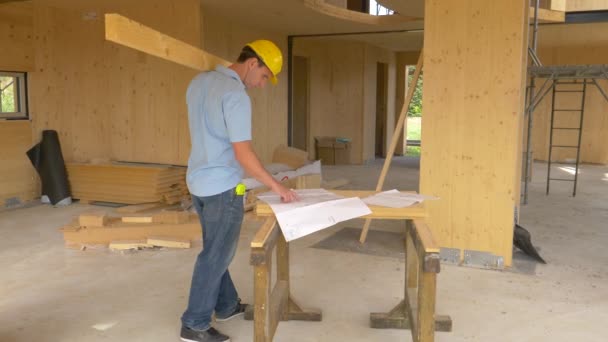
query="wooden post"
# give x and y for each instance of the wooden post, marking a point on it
(262, 296)
(473, 121)
(283, 271)
(417, 309)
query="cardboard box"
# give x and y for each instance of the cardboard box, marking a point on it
(333, 150)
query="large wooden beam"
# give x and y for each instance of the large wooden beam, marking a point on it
(548, 16)
(474, 90)
(127, 32)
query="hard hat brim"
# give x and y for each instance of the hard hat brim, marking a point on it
(274, 80)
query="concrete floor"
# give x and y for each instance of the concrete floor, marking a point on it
(49, 293)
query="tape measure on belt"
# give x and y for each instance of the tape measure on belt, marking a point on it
(240, 189)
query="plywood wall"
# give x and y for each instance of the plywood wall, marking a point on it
(16, 37)
(225, 38)
(336, 90)
(105, 100)
(18, 179)
(585, 5)
(595, 125)
(343, 91)
(474, 67)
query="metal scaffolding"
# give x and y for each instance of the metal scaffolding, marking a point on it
(556, 75)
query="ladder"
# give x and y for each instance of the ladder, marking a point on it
(579, 129)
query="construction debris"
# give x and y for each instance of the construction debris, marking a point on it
(93, 219)
(174, 227)
(138, 208)
(168, 242)
(129, 244)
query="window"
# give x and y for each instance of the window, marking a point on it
(376, 9)
(13, 96)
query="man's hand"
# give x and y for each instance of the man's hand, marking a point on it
(287, 195)
(244, 154)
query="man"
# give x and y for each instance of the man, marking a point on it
(219, 113)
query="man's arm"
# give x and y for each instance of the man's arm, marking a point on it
(245, 155)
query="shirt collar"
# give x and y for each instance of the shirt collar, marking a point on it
(229, 72)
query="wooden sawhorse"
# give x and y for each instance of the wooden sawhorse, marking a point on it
(417, 310)
(274, 304)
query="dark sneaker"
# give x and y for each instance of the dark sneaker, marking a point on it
(240, 310)
(209, 335)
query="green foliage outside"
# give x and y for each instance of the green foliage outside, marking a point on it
(415, 109)
(414, 126)
(413, 151)
(414, 113)
(7, 95)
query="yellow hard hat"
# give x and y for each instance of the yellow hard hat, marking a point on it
(270, 54)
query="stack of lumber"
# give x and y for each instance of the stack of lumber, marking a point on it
(127, 183)
(165, 229)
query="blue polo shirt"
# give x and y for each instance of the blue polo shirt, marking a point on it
(219, 113)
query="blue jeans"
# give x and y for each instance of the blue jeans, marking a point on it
(212, 288)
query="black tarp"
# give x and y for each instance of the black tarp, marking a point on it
(47, 159)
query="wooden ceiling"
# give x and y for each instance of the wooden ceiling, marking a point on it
(315, 17)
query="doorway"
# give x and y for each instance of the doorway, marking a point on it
(301, 115)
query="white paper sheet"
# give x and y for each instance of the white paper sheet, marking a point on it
(395, 199)
(317, 209)
(306, 197)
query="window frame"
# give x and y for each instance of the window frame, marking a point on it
(21, 96)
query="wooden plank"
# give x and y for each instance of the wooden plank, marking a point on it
(411, 262)
(171, 217)
(136, 208)
(384, 320)
(415, 211)
(261, 294)
(263, 235)
(170, 242)
(129, 244)
(424, 237)
(277, 306)
(72, 233)
(427, 288)
(136, 219)
(264, 241)
(395, 138)
(93, 219)
(297, 313)
(127, 32)
(283, 272)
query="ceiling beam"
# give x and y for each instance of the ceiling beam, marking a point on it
(127, 32)
(548, 16)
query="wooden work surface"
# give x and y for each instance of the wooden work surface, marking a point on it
(415, 211)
